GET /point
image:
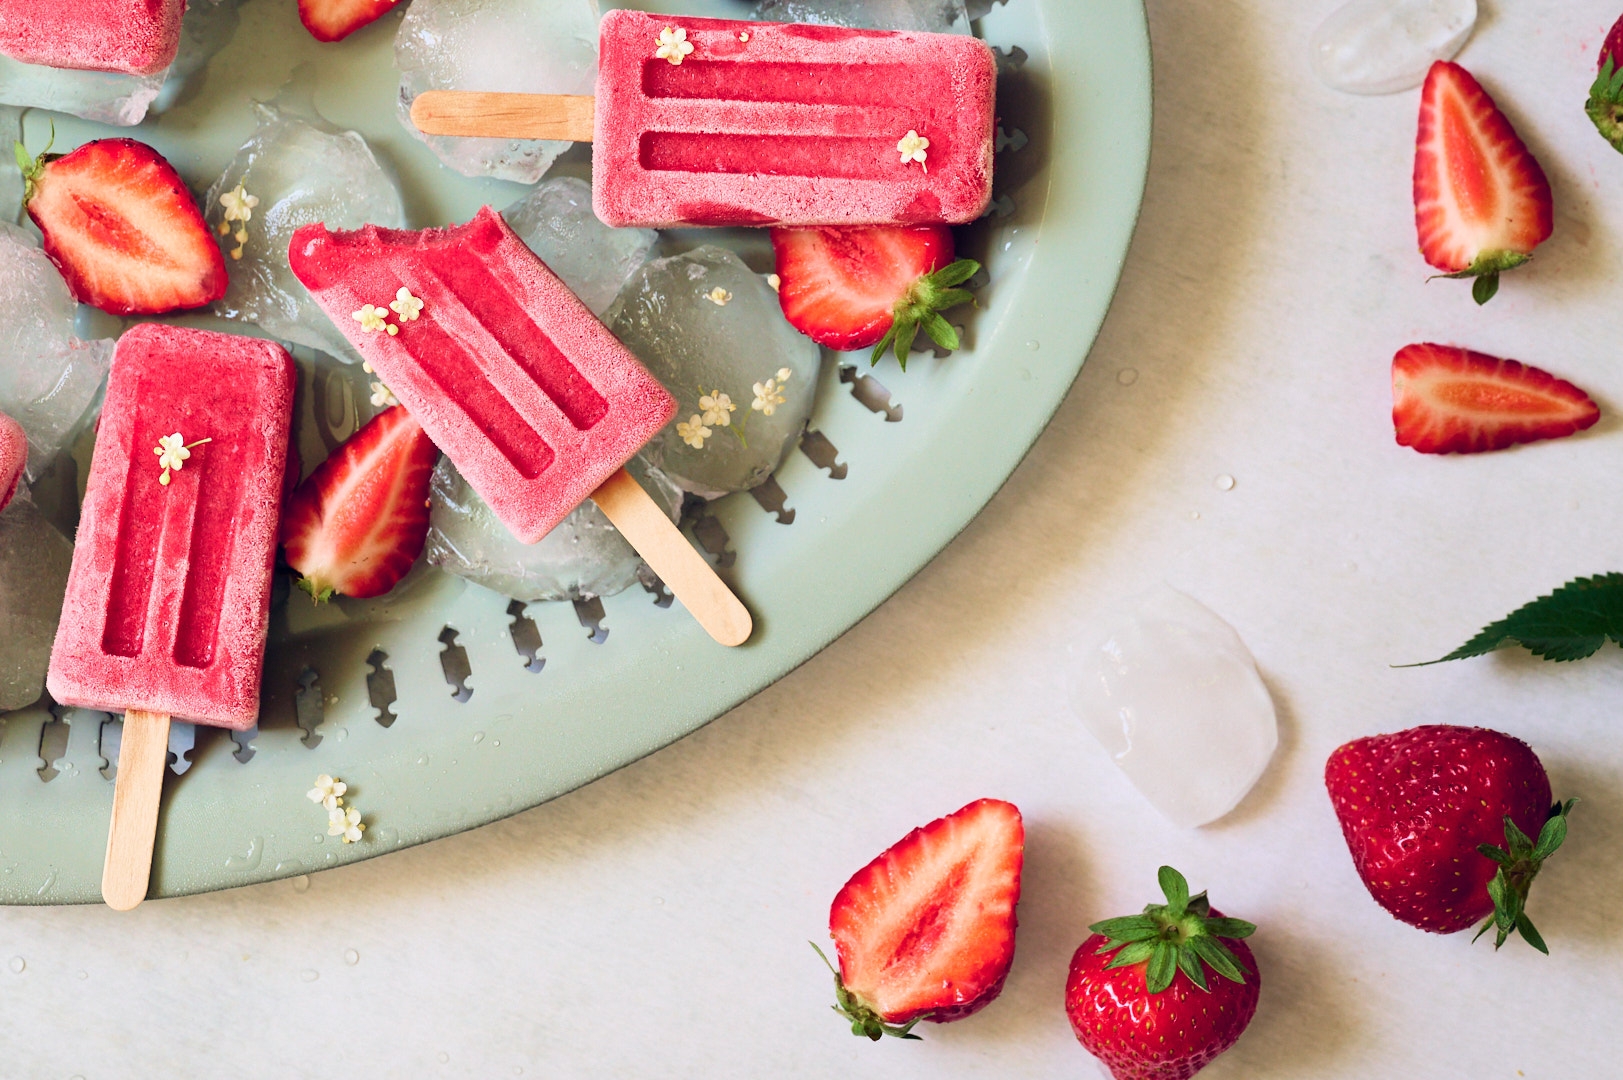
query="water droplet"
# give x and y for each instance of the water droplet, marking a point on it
(17, 964)
(1224, 482)
(317, 838)
(659, 900)
(351, 957)
(1194, 515)
(1034, 344)
(301, 884)
(495, 742)
(478, 736)
(443, 1057)
(249, 860)
(1127, 376)
(423, 760)
(309, 975)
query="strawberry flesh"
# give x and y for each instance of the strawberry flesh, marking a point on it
(1447, 400)
(334, 20)
(1482, 203)
(121, 226)
(841, 287)
(926, 930)
(357, 524)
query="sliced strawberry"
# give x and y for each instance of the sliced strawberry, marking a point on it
(333, 20)
(926, 930)
(1447, 400)
(356, 525)
(1605, 105)
(122, 228)
(1481, 202)
(851, 288)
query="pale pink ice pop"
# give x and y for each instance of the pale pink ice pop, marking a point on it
(510, 374)
(140, 37)
(13, 455)
(775, 123)
(168, 599)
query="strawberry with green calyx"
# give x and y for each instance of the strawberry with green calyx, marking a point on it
(1605, 105)
(849, 288)
(1158, 996)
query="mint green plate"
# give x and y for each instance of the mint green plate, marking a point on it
(517, 731)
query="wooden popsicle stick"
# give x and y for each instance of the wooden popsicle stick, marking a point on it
(682, 569)
(566, 117)
(143, 755)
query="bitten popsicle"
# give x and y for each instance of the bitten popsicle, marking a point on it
(539, 406)
(168, 599)
(723, 122)
(140, 37)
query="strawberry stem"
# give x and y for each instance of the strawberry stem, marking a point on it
(33, 168)
(865, 1019)
(920, 308)
(1605, 104)
(1519, 863)
(1180, 935)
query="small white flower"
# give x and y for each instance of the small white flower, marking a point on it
(328, 792)
(406, 305)
(784, 375)
(366, 367)
(718, 296)
(912, 147)
(173, 452)
(371, 318)
(238, 204)
(383, 397)
(693, 431)
(743, 35)
(767, 397)
(775, 281)
(718, 408)
(345, 822)
(673, 45)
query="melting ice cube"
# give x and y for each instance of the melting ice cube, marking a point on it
(1170, 690)
(1385, 46)
(707, 326)
(941, 16)
(34, 561)
(515, 46)
(557, 223)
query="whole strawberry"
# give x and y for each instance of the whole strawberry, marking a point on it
(1158, 996)
(1605, 105)
(1424, 812)
(926, 930)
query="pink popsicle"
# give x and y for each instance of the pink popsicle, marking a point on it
(509, 373)
(168, 599)
(135, 36)
(772, 123)
(13, 454)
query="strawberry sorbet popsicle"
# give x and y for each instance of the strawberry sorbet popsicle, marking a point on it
(509, 373)
(136, 36)
(719, 122)
(13, 455)
(168, 599)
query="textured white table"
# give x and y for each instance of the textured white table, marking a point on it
(655, 923)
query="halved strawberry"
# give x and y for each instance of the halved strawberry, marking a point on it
(356, 525)
(850, 288)
(122, 228)
(1447, 400)
(926, 931)
(1481, 202)
(1605, 105)
(333, 20)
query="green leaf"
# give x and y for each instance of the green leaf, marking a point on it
(1497, 854)
(1189, 964)
(940, 330)
(884, 343)
(955, 273)
(1530, 935)
(1218, 958)
(1128, 928)
(905, 333)
(1163, 966)
(1498, 889)
(1554, 833)
(951, 298)
(1199, 905)
(1176, 888)
(1230, 928)
(1136, 953)
(1571, 623)
(1485, 288)
(1520, 843)
(25, 162)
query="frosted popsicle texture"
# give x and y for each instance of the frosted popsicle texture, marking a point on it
(508, 372)
(135, 36)
(168, 600)
(766, 123)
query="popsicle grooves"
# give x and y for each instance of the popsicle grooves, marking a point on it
(858, 85)
(213, 542)
(853, 157)
(526, 637)
(454, 663)
(136, 555)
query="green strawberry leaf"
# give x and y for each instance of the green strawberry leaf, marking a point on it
(1605, 104)
(1514, 878)
(1485, 288)
(1571, 623)
(921, 307)
(1176, 889)
(1179, 935)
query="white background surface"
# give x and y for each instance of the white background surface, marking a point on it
(655, 923)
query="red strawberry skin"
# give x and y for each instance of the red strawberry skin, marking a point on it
(840, 287)
(1613, 46)
(1167, 1036)
(1479, 194)
(926, 930)
(1415, 805)
(357, 523)
(1448, 400)
(121, 226)
(334, 20)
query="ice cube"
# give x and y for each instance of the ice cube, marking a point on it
(301, 172)
(1172, 693)
(584, 556)
(48, 378)
(557, 222)
(709, 328)
(1385, 46)
(34, 561)
(941, 16)
(11, 177)
(518, 46)
(114, 98)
